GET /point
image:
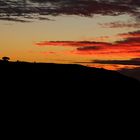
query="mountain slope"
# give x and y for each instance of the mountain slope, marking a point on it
(42, 74)
(67, 87)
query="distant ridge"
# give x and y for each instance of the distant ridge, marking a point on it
(54, 74)
(66, 86)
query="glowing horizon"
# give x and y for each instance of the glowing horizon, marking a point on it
(71, 31)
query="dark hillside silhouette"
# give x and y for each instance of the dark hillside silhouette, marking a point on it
(60, 89)
(70, 76)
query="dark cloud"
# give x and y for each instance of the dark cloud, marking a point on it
(89, 48)
(128, 41)
(133, 34)
(79, 44)
(135, 61)
(131, 38)
(23, 8)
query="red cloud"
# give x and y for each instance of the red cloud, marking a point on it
(128, 46)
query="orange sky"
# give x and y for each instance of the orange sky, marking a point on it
(73, 39)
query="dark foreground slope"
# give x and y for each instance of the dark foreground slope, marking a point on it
(48, 77)
(66, 92)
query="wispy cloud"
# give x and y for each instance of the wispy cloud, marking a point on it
(130, 34)
(89, 48)
(120, 24)
(72, 43)
(130, 39)
(129, 45)
(14, 19)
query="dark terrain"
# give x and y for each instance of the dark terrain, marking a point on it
(67, 93)
(49, 77)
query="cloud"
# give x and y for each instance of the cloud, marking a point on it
(134, 61)
(120, 24)
(89, 48)
(130, 34)
(81, 44)
(128, 46)
(69, 7)
(14, 19)
(129, 39)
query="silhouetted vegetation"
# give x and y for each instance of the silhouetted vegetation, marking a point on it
(5, 59)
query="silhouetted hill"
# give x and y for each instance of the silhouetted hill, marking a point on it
(63, 92)
(69, 76)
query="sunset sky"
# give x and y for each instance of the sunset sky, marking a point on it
(100, 33)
